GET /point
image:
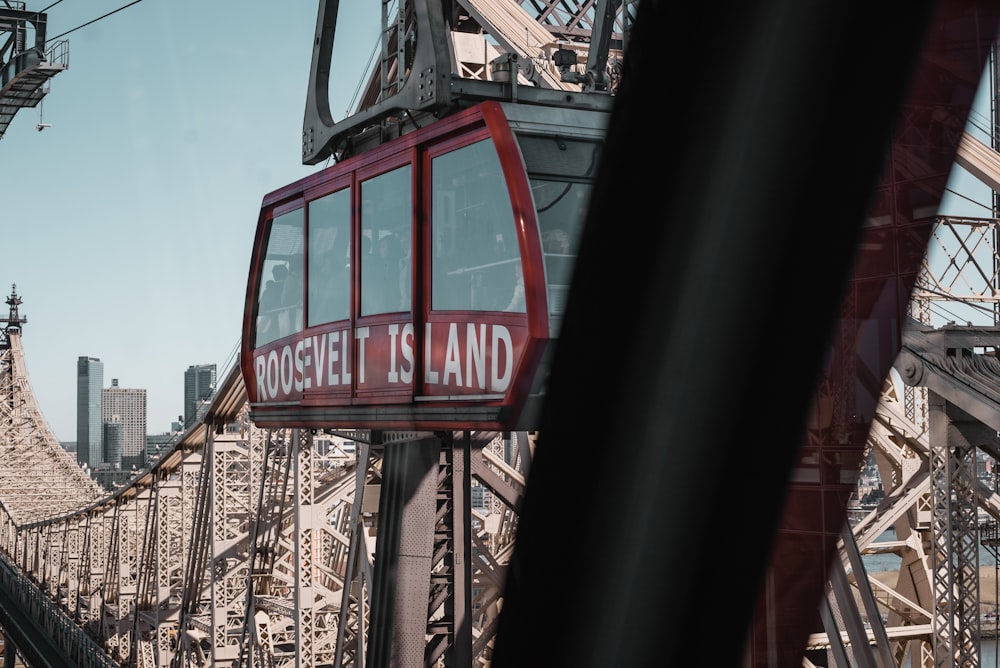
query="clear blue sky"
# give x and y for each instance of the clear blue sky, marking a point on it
(127, 224)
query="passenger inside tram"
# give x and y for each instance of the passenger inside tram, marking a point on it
(329, 258)
(517, 302)
(386, 219)
(270, 304)
(389, 260)
(330, 288)
(290, 317)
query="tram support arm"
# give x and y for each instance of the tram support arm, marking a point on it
(600, 42)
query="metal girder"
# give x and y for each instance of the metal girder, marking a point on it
(954, 553)
(422, 75)
(25, 70)
(924, 438)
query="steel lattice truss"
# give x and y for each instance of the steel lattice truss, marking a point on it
(954, 555)
(38, 478)
(932, 418)
(529, 30)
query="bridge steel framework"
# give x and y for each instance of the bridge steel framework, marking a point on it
(251, 547)
(937, 420)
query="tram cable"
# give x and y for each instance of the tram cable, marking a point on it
(968, 199)
(83, 25)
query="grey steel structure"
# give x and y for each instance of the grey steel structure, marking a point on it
(26, 65)
(938, 415)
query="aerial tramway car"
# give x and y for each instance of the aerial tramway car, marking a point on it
(420, 284)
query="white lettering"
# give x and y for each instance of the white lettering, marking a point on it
(334, 356)
(319, 346)
(307, 362)
(272, 374)
(286, 368)
(360, 335)
(430, 376)
(345, 361)
(452, 363)
(406, 373)
(259, 363)
(393, 333)
(299, 366)
(475, 351)
(499, 383)
(482, 361)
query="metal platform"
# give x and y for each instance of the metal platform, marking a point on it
(24, 80)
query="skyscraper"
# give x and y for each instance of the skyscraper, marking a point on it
(89, 381)
(114, 441)
(127, 406)
(199, 384)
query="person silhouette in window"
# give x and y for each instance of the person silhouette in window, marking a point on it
(270, 304)
(388, 257)
(331, 292)
(290, 317)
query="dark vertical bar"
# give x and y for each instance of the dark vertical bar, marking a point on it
(718, 302)
(403, 553)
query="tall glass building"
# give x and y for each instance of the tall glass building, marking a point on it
(199, 384)
(89, 427)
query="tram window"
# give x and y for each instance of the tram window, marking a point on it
(279, 307)
(329, 258)
(386, 224)
(561, 172)
(476, 261)
(561, 209)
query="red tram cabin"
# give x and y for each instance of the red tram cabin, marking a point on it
(420, 284)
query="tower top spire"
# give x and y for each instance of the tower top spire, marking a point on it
(14, 320)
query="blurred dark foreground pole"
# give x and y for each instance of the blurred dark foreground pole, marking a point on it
(764, 203)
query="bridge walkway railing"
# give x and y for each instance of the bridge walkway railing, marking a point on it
(42, 633)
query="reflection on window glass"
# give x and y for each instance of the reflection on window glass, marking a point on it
(329, 258)
(561, 172)
(386, 224)
(279, 309)
(561, 211)
(476, 263)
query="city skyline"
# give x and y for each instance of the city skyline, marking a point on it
(92, 413)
